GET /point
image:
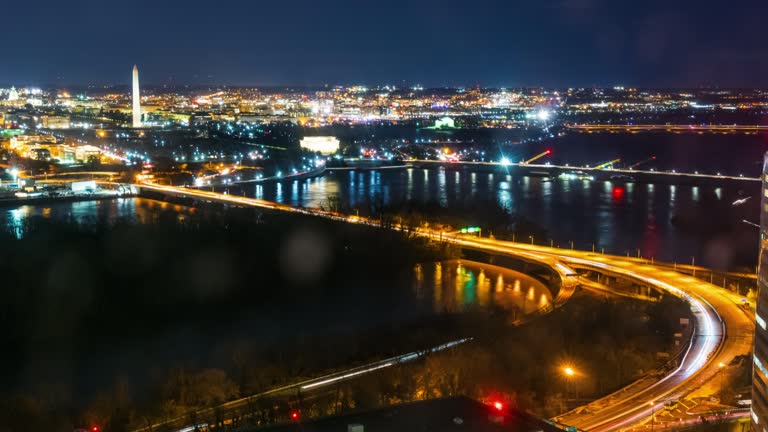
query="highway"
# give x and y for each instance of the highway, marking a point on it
(723, 330)
(304, 387)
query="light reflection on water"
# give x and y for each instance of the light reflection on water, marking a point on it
(614, 216)
(137, 209)
(457, 286)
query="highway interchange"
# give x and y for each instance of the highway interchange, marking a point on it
(723, 328)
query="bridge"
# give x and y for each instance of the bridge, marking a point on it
(723, 328)
(594, 173)
(590, 128)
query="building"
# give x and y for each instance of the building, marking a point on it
(13, 95)
(321, 144)
(760, 354)
(19, 142)
(459, 414)
(136, 98)
(87, 153)
(41, 153)
(55, 122)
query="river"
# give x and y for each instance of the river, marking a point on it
(615, 217)
(619, 218)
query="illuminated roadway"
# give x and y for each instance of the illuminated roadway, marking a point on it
(723, 330)
(305, 387)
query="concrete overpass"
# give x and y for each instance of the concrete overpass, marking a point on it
(723, 328)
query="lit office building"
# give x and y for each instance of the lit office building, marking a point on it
(760, 368)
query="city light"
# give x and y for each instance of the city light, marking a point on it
(348, 156)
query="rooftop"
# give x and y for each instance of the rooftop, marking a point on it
(443, 415)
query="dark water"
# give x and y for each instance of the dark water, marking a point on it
(454, 286)
(731, 154)
(620, 218)
(137, 209)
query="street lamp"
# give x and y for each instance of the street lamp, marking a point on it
(568, 373)
(653, 413)
(531, 237)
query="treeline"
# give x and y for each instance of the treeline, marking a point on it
(609, 344)
(492, 217)
(92, 308)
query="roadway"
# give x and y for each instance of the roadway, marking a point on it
(723, 330)
(601, 172)
(668, 128)
(244, 404)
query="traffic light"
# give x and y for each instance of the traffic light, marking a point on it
(498, 405)
(95, 428)
(295, 415)
(470, 230)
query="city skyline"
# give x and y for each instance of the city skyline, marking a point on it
(405, 215)
(687, 44)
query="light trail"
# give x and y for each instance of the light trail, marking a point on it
(346, 376)
(706, 301)
(316, 382)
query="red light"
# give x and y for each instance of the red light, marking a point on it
(94, 428)
(618, 193)
(294, 415)
(549, 151)
(498, 405)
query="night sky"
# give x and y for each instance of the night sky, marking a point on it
(433, 43)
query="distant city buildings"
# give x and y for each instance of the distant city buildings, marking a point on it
(315, 108)
(188, 123)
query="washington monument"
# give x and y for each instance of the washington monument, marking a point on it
(136, 98)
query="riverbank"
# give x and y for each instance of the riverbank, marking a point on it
(48, 200)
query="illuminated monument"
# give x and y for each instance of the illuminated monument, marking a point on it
(136, 98)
